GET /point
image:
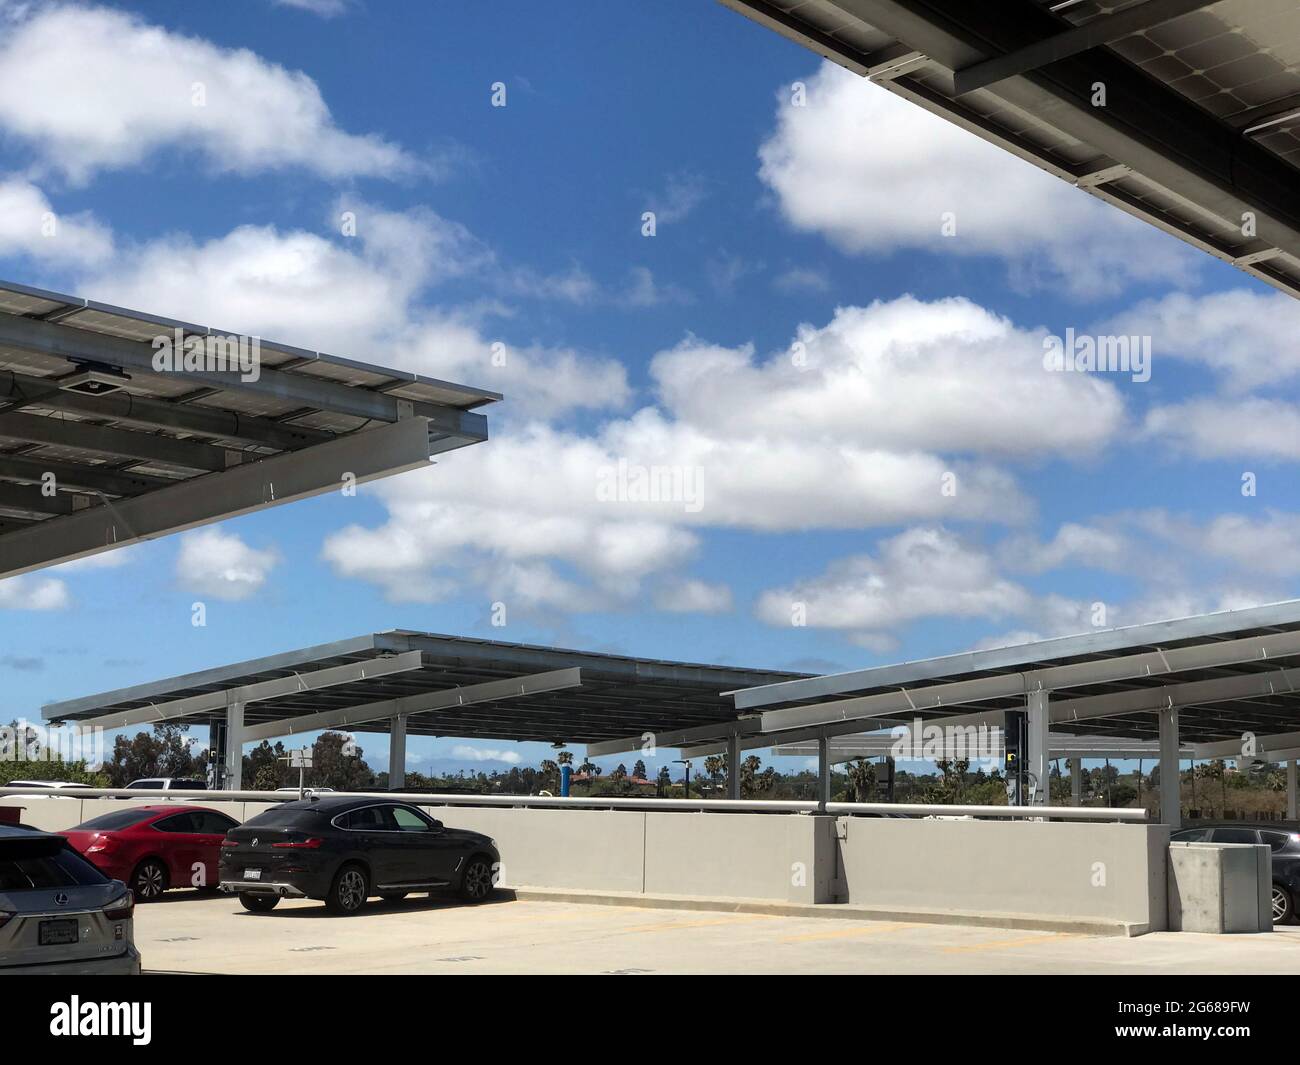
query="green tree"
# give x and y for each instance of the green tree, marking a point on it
(639, 769)
(163, 752)
(862, 780)
(337, 763)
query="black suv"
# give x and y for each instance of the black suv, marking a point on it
(1284, 841)
(343, 850)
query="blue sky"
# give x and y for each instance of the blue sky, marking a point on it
(799, 332)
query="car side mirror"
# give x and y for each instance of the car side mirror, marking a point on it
(437, 826)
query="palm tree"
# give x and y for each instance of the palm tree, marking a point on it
(862, 779)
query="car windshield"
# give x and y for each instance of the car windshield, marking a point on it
(117, 819)
(31, 865)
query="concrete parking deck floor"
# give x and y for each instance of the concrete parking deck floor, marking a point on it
(189, 933)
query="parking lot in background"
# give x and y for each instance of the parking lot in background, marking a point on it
(187, 933)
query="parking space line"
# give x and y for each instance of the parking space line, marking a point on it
(667, 926)
(999, 944)
(841, 933)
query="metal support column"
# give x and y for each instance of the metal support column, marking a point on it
(823, 769)
(733, 766)
(1291, 812)
(234, 746)
(397, 752)
(1076, 781)
(1171, 812)
(1036, 760)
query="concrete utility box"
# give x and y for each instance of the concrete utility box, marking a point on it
(1220, 887)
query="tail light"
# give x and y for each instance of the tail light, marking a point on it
(306, 844)
(232, 843)
(5, 917)
(101, 844)
(121, 908)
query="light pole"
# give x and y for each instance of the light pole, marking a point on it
(687, 763)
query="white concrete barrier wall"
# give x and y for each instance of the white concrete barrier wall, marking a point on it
(1103, 872)
(1109, 873)
(596, 850)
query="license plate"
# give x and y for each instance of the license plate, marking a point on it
(57, 933)
(252, 874)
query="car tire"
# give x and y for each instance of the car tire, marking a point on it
(393, 896)
(149, 880)
(476, 878)
(258, 903)
(1283, 905)
(348, 891)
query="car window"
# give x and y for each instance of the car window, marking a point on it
(147, 785)
(1191, 835)
(408, 820)
(189, 785)
(117, 819)
(176, 823)
(51, 869)
(213, 823)
(372, 819)
(1277, 840)
(1236, 835)
(284, 817)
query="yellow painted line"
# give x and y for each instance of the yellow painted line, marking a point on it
(671, 925)
(1000, 944)
(841, 933)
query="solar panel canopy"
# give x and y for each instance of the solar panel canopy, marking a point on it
(1198, 131)
(436, 683)
(111, 433)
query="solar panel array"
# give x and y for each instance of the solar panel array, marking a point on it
(154, 429)
(1237, 61)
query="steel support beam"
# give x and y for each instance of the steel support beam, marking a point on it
(1234, 748)
(147, 413)
(1036, 757)
(1171, 812)
(234, 747)
(1292, 812)
(310, 681)
(33, 500)
(1050, 678)
(253, 486)
(136, 357)
(824, 770)
(683, 738)
(1076, 781)
(397, 752)
(733, 766)
(490, 692)
(99, 479)
(1103, 29)
(117, 443)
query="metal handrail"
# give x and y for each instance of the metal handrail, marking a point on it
(804, 806)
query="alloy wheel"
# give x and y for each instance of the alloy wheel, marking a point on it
(352, 889)
(478, 880)
(1281, 904)
(149, 881)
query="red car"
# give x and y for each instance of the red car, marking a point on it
(153, 848)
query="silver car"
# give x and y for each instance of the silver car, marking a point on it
(58, 913)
